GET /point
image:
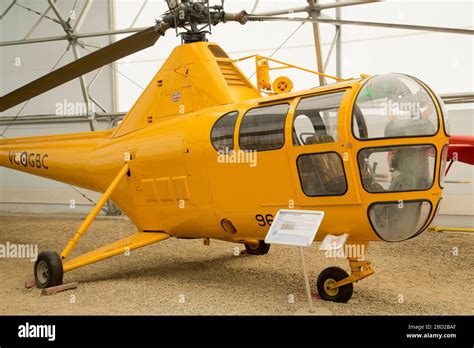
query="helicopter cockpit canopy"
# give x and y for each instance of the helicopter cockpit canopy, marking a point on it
(393, 106)
(388, 107)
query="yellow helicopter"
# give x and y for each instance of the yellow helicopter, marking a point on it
(203, 153)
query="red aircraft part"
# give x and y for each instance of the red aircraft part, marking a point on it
(461, 148)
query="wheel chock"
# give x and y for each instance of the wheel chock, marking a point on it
(59, 288)
(30, 283)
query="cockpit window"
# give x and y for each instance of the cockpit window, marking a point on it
(322, 174)
(263, 128)
(394, 106)
(222, 134)
(315, 119)
(400, 220)
(397, 168)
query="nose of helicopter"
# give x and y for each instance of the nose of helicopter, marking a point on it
(400, 220)
(399, 177)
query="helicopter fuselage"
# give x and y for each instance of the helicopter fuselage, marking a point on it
(192, 177)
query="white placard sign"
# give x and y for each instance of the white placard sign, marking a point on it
(331, 242)
(294, 227)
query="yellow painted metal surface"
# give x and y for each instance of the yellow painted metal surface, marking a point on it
(122, 246)
(263, 75)
(95, 211)
(63, 157)
(191, 79)
(282, 84)
(176, 183)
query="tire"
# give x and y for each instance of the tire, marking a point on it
(261, 248)
(48, 270)
(341, 294)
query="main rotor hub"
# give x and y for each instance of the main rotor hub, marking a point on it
(189, 37)
(193, 17)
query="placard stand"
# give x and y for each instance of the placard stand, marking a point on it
(296, 228)
(306, 281)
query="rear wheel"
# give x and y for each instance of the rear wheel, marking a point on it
(48, 270)
(260, 248)
(329, 276)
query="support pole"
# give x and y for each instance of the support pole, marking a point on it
(254, 7)
(8, 9)
(71, 37)
(64, 24)
(85, 92)
(138, 13)
(306, 281)
(82, 16)
(338, 44)
(328, 57)
(33, 28)
(114, 70)
(93, 214)
(317, 41)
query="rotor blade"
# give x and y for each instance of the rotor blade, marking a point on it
(317, 7)
(286, 11)
(95, 60)
(458, 98)
(343, 4)
(364, 24)
(76, 36)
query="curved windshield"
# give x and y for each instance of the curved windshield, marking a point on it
(397, 221)
(444, 110)
(393, 106)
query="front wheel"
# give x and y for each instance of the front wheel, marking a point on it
(260, 248)
(48, 270)
(329, 276)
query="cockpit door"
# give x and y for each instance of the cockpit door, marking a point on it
(320, 156)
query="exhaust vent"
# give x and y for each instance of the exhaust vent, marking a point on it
(231, 75)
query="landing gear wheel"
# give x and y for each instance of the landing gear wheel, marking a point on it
(330, 276)
(261, 248)
(48, 270)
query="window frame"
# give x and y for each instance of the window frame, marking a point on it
(445, 146)
(431, 217)
(403, 145)
(261, 107)
(429, 92)
(301, 98)
(322, 153)
(438, 103)
(233, 133)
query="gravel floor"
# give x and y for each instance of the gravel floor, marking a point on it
(420, 276)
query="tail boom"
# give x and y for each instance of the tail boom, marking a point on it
(63, 158)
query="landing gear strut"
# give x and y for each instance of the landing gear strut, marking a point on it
(326, 289)
(49, 267)
(334, 284)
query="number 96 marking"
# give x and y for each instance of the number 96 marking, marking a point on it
(264, 220)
